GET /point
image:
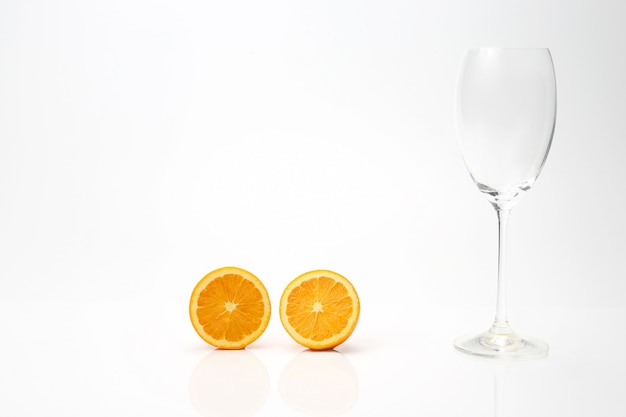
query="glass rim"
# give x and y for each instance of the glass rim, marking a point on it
(508, 48)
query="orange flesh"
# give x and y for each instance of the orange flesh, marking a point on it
(318, 306)
(230, 308)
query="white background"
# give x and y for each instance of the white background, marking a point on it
(145, 143)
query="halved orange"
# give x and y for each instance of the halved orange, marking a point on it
(229, 308)
(319, 309)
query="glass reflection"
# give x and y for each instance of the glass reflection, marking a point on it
(231, 383)
(500, 370)
(319, 383)
(499, 377)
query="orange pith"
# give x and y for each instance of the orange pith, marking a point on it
(319, 309)
(229, 308)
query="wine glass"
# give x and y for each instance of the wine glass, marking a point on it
(505, 116)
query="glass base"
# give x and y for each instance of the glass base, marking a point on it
(505, 345)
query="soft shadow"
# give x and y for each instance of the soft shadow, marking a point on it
(229, 383)
(319, 383)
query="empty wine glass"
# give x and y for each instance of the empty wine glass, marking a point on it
(505, 114)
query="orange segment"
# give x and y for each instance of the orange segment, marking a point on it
(319, 309)
(229, 308)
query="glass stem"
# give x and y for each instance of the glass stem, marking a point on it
(501, 324)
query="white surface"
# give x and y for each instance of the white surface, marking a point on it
(143, 144)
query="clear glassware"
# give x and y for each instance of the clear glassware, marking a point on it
(505, 116)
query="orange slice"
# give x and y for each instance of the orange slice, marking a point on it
(229, 308)
(319, 309)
